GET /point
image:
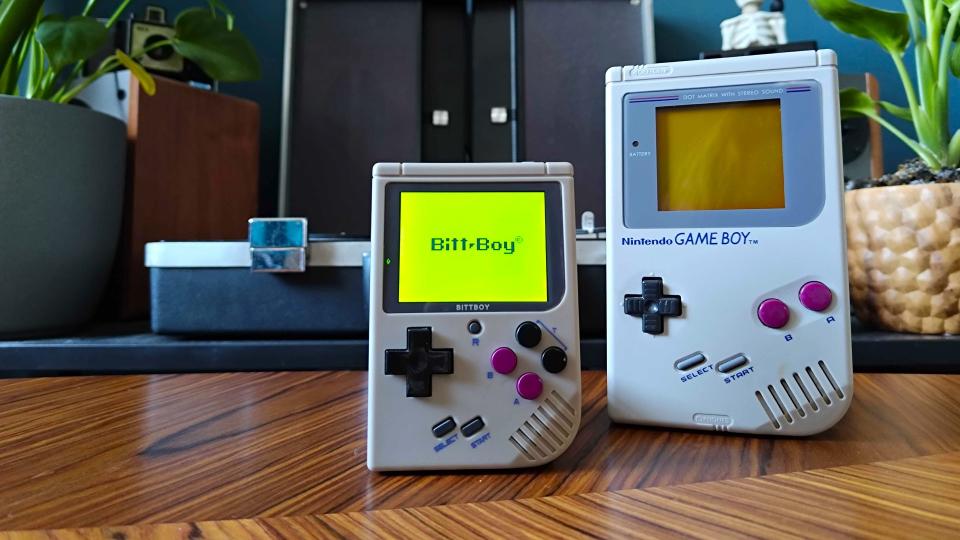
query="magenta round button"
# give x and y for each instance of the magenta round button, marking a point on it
(773, 313)
(503, 360)
(529, 385)
(815, 295)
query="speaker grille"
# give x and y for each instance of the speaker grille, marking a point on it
(796, 397)
(547, 430)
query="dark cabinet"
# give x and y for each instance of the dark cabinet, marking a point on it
(446, 81)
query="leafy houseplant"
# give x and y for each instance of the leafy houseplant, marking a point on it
(903, 256)
(51, 49)
(62, 166)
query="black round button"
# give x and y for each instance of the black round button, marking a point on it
(528, 334)
(474, 327)
(553, 359)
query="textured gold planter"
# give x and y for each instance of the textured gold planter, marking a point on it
(903, 246)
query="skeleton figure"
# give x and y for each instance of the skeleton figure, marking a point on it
(753, 27)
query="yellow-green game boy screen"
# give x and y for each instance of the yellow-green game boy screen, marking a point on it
(472, 247)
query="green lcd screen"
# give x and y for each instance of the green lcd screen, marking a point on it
(461, 246)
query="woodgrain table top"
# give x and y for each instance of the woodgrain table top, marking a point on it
(259, 453)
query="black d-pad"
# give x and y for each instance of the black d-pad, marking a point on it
(419, 361)
(652, 305)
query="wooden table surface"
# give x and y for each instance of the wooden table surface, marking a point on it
(281, 454)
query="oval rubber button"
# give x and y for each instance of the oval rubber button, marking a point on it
(503, 360)
(773, 313)
(815, 296)
(529, 385)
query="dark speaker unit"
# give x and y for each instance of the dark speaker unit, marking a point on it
(134, 34)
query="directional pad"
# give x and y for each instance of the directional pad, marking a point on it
(652, 305)
(419, 361)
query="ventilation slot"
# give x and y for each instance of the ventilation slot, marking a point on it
(540, 424)
(565, 405)
(793, 399)
(829, 376)
(784, 402)
(766, 409)
(806, 393)
(816, 382)
(522, 450)
(547, 430)
(776, 398)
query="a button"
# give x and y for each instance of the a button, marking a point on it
(474, 327)
(529, 385)
(472, 427)
(732, 363)
(528, 334)
(815, 296)
(419, 361)
(553, 359)
(443, 427)
(690, 361)
(652, 305)
(773, 313)
(503, 360)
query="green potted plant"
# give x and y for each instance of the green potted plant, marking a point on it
(903, 229)
(62, 165)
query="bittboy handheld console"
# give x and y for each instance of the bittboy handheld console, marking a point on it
(474, 337)
(727, 302)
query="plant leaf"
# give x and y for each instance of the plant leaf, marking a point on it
(146, 80)
(17, 17)
(955, 60)
(890, 29)
(219, 5)
(854, 102)
(224, 54)
(66, 41)
(900, 112)
(953, 150)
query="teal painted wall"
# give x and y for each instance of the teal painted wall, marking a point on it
(683, 29)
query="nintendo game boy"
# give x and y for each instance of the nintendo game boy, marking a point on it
(727, 305)
(474, 358)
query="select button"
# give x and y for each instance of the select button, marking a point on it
(472, 427)
(690, 361)
(443, 427)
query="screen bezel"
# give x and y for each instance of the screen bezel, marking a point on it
(802, 139)
(553, 227)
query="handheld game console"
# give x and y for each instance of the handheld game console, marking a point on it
(474, 339)
(727, 305)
